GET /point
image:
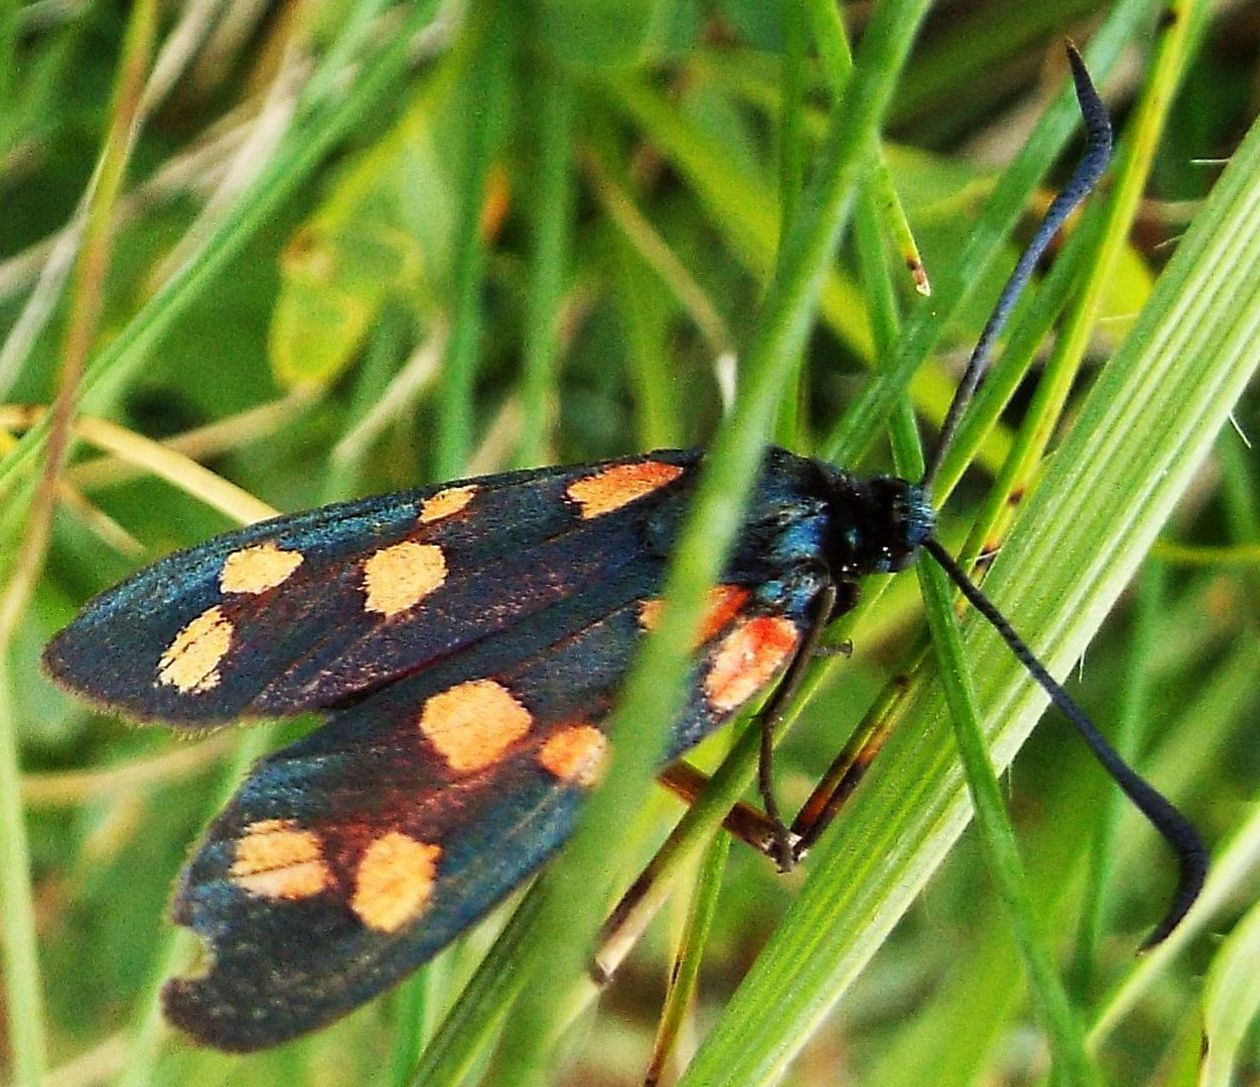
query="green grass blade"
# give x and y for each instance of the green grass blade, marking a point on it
(1231, 1000)
(551, 217)
(25, 1028)
(1005, 866)
(453, 438)
(1142, 434)
(652, 691)
(862, 422)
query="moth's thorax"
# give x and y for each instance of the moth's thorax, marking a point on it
(809, 513)
(874, 525)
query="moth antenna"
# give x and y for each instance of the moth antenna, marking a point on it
(1090, 168)
(1174, 827)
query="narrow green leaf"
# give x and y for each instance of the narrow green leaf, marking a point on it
(651, 695)
(1141, 436)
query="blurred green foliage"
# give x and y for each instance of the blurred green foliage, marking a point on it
(581, 200)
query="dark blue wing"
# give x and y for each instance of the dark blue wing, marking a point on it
(308, 610)
(354, 855)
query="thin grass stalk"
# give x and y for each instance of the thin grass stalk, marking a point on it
(23, 985)
(1049, 997)
(388, 344)
(1235, 869)
(577, 886)
(1050, 1001)
(412, 1008)
(147, 1027)
(742, 207)
(657, 416)
(855, 432)
(792, 155)
(551, 219)
(26, 1038)
(453, 439)
(980, 43)
(836, 58)
(1027, 336)
(684, 976)
(468, 1029)
(1130, 176)
(658, 258)
(9, 33)
(1134, 714)
(1145, 428)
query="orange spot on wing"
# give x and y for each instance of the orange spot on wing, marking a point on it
(747, 658)
(619, 485)
(472, 724)
(191, 661)
(257, 569)
(394, 881)
(721, 606)
(446, 503)
(575, 753)
(276, 858)
(398, 577)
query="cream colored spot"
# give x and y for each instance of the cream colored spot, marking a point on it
(395, 881)
(257, 569)
(398, 577)
(445, 503)
(276, 858)
(721, 606)
(619, 485)
(577, 753)
(472, 724)
(191, 661)
(747, 658)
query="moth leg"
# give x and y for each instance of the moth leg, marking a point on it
(766, 833)
(842, 777)
(786, 853)
(745, 822)
(844, 598)
(840, 649)
(642, 899)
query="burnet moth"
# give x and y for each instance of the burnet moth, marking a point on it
(466, 643)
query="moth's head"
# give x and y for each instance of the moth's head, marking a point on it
(878, 525)
(910, 519)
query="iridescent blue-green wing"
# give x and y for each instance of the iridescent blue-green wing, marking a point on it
(309, 610)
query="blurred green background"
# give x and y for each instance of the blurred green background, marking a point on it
(358, 246)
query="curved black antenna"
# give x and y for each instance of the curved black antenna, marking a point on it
(1093, 162)
(1175, 828)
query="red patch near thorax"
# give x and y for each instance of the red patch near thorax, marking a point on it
(747, 659)
(721, 606)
